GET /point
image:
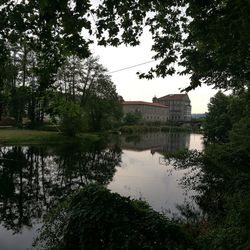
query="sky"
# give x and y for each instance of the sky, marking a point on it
(131, 88)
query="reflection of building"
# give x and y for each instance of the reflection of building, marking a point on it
(157, 142)
(179, 106)
(150, 111)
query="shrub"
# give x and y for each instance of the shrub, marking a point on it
(71, 118)
(133, 118)
(95, 218)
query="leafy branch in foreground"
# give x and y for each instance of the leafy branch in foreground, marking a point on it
(208, 39)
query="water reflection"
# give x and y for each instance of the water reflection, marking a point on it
(157, 142)
(148, 176)
(33, 178)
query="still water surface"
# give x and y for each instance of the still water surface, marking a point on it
(32, 179)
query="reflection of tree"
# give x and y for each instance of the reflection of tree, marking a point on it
(222, 221)
(78, 165)
(32, 178)
(208, 187)
(20, 196)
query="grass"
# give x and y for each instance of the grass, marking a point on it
(31, 137)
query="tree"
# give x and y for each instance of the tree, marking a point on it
(103, 107)
(239, 106)
(20, 86)
(77, 77)
(85, 82)
(36, 30)
(5, 76)
(51, 29)
(18, 104)
(223, 113)
(210, 39)
(71, 118)
(240, 140)
(133, 118)
(218, 123)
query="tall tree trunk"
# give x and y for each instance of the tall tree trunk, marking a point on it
(31, 109)
(14, 67)
(1, 110)
(24, 62)
(73, 79)
(32, 101)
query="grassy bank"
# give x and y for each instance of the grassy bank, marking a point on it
(30, 137)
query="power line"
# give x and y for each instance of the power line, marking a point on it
(130, 67)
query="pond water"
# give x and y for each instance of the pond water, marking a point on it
(32, 179)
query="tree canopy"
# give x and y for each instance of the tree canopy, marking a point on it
(224, 111)
(207, 39)
(218, 121)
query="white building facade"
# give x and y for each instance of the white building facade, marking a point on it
(179, 106)
(151, 112)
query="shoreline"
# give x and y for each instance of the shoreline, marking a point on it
(39, 137)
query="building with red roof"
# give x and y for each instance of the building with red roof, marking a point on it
(173, 107)
(151, 112)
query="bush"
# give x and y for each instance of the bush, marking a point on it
(71, 118)
(133, 118)
(95, 218)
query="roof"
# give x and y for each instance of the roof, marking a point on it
(144, 103)
(174, 97)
